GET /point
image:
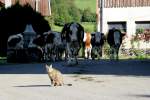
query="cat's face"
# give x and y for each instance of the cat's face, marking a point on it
(49, 68)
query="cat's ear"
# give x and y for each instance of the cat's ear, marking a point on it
(50, 66)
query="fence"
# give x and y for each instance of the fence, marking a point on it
(125, 3)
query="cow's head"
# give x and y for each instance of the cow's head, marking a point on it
(99, 37)
(57, 38)
(118, 36)
(73, 32)
(16, 41)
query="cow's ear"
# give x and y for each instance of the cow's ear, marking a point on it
(103, 37)
(63, 32)
(123, 34)
(81, 29)
(81, 32)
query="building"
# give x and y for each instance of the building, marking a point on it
(42, 6)
(128, 15)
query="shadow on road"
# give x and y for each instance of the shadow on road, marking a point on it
(141, 95)
(34, 86)
(101, 67)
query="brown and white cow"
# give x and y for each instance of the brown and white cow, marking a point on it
(97, 44)
(88, 46)
(114, 39)
(72, 35)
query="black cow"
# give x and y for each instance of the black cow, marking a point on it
(97, 44)
(114, 39)
(72, 35)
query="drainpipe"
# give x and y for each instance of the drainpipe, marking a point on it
(101, 15)
(49, 2)
(37, 5)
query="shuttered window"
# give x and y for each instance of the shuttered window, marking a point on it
(142, 25)
(118, 25)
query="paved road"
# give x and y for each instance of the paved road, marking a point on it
(91, 80)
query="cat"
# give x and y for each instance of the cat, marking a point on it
(55, 76)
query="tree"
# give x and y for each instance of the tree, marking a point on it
(65, 11)
(88, 16)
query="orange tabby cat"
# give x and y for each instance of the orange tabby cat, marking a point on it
(55, 76)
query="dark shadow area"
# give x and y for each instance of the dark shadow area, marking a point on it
(141, 96)
(101, 67)
(33, 86)
(14, 19)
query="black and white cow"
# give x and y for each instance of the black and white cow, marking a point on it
(114, 39)
(17, 53)
(54, 47)
(72, 35)
(15, 41)
(97, 44)
(51, 44)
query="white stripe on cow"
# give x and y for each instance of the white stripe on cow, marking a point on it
(117, 37)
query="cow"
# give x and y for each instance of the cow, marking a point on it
(114, 39)
(15, 41)
(97, 42)
(54, 46)
(72, 35)
(51, 45)
(17, 53)
(88, 45)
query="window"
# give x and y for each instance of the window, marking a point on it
(118, 25)
(142, 25)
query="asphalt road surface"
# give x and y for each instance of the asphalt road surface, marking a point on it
(90, 80)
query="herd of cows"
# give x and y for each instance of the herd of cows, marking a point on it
(64, 45)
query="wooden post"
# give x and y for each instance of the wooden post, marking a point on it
(101, 15)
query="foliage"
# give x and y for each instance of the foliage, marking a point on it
(142, 34)
(88, 16)
(84, 4)
(139, 31)
(64, 12)
(89, 26)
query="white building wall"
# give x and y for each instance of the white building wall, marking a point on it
(128, 15)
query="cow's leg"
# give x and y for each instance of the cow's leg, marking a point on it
(111, 52)
(69, 53)
(45, 53)
(89, 53)
(100, 53)
(93, 54)
(86, 53)
(117, 51)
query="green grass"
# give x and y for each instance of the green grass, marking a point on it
(83, 4)
(88, 27)
(3, 60)
(56, 28)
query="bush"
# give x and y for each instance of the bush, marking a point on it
(88, 16)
